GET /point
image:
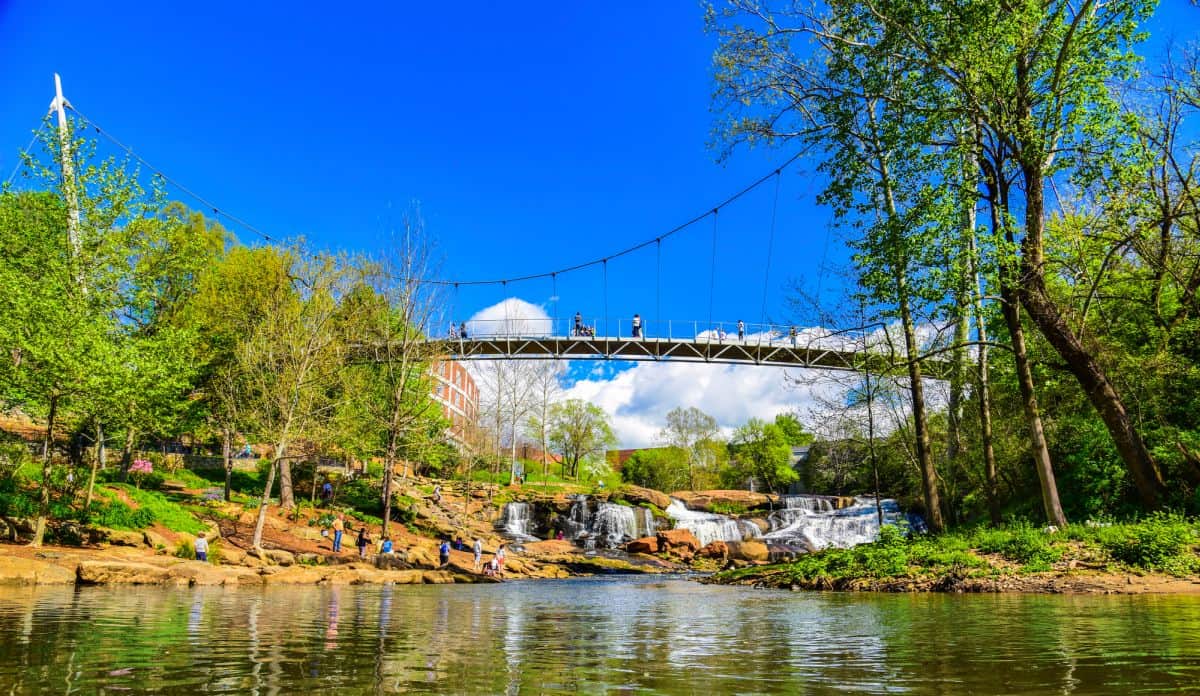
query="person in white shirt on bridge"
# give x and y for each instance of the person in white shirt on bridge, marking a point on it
(637, 326)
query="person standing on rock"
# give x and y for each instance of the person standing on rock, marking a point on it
(362, 541)
(500, 555)
(201, 546)
(437, 494)
(478, 548)
(338, 527)
(444, 552)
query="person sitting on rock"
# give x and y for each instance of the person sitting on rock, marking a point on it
(386, 546)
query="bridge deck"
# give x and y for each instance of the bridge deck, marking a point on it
(778, 353)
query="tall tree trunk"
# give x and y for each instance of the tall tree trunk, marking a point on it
(39, 530)
(256, 540)
(97, 462)
(998, 201)
(227, 459)
(389, 462)
(929, 484)
(287, 497)
(1147, 477)
(984, 385)
(127, 452)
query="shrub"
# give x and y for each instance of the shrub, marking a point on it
(722, 507)
(117, 515)
(1160, 542)
(170, 514)
(1021, 543)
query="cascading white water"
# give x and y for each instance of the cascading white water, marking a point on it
(517, 523)
(812, 522)
(709, 527)
(613, 525)
(594, 524)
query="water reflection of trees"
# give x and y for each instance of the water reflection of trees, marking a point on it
(588, 637)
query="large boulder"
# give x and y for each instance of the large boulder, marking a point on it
(715, 549)
(724, 500)
(675, 539)
(294, 575)
(637, 494)
(392, 561)
(542, 549)
(120, 572)
(118, 537)
(273, 556)
(751, 551)
(29, 571)
(155, 540)
(643, 545)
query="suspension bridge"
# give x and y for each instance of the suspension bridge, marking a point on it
(671, 341)
(626, 339)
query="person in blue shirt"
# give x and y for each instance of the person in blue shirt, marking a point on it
(387, 545)
(444, 551)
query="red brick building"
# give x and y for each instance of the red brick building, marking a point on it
(455, 390)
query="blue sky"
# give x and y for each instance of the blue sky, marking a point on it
(533, 136)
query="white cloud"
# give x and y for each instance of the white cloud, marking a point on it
(511, 316)
(638, 396)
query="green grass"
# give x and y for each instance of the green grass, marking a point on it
(1161, 542)
(167, 512)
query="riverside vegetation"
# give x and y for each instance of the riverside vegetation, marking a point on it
(1071, 321)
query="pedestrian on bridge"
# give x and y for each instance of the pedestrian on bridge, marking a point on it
(741, 330)
(637, 326)
(793, 333)
(578, 324)
(453, 330)
(462, 331)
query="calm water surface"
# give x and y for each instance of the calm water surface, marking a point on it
(622, 636)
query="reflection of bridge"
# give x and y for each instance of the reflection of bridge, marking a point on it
(683, 342)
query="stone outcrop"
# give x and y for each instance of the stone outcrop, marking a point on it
(705, 500)
(127, 573)
(674, 540)
(637, 494)
(29, 571)
(751, 551)
(643, 545)
(715, 549)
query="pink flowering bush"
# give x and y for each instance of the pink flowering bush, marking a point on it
(139, 469)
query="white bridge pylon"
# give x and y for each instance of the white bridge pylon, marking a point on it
(683, 342)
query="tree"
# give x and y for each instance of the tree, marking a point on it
(233, 298)
(388, 406)
(695, 433)
(547, 390)
(660, 468)
(760, 451)
(580, 432)
(292, 360)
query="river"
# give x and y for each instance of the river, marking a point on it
(603, 635)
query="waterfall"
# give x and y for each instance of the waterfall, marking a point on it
(516, 522)
(613, 524)
(592, 524)
(709, 527)
(813, 523)
(578, 518)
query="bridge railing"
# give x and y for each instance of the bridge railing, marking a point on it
(622, 329)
